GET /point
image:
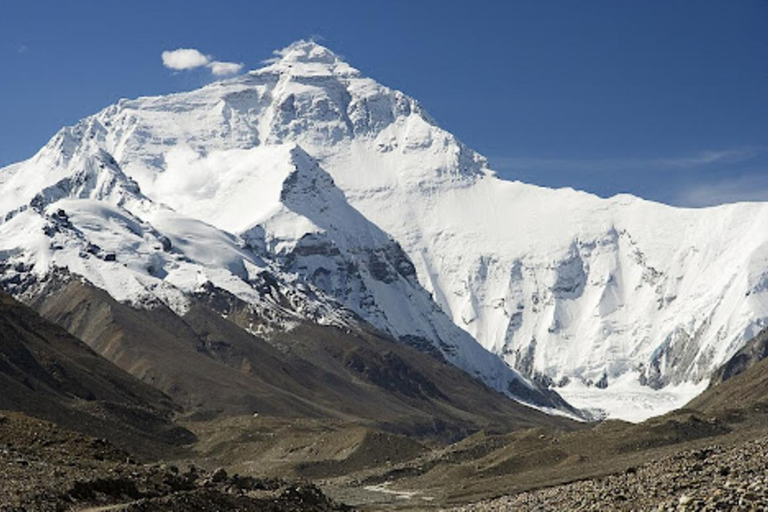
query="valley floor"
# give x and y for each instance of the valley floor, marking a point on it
(680, 462)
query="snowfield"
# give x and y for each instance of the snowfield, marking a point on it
(351, 193)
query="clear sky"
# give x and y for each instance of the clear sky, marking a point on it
(663, 99)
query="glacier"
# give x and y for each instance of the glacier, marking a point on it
(349, 190)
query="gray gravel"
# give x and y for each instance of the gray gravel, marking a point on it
(712, 478)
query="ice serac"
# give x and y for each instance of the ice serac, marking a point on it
(309, 168)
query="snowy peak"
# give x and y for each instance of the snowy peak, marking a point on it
(306, 180)
(63, 170)
(307, 58)
(349, 258)
(309, 191)
(306, 96)
(97, 177)
(625, 304)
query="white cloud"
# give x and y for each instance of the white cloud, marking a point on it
(186, 175)
(219, 68)
(184, 58)
(190, 58)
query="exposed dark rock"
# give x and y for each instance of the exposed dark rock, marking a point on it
(391, 372)
(753, 352)
(166, 243)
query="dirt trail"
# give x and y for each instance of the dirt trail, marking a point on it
(119, 506)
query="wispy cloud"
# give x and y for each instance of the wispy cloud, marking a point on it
(189, 58)
(705, 178)
(750, 187)
(15, 47)
(687, 162)
(704, 158)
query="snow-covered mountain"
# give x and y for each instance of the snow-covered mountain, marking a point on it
(348, 192)
(262, 222)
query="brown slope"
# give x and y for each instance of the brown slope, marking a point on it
(212, 365)
(741, 383)
(44, 467)
(48, 373)
(167, 352)
(717, 440)
(413, 392)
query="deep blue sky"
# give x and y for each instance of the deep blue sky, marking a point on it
(664, 99)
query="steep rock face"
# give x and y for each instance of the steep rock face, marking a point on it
(739, 387)
(570, 289)
(754, 351)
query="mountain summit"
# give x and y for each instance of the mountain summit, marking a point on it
(308, 58)
(348, 194)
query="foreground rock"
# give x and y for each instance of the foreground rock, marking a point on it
(712, 478)
(43, 467)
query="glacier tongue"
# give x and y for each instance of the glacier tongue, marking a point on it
(624, 304)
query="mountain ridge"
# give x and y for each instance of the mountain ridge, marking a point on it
(620, 303)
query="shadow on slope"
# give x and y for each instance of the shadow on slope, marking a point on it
(211, 365)
(48, 373)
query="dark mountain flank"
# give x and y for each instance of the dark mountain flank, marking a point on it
(48, 373)
(210, 365)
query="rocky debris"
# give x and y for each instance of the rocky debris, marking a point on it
(44, 468)
(708, 479)
(303, 497)
(218, 476)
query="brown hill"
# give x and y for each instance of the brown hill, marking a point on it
(210, 364)
(48, 373)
